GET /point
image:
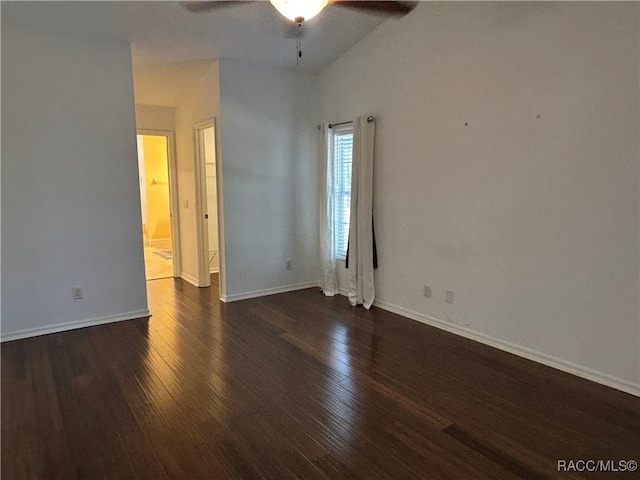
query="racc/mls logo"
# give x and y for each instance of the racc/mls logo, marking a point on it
(597, 465)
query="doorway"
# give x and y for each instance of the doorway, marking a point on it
(158, 224)
(210, 265)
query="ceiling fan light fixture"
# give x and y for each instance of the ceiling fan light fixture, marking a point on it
(296, 9)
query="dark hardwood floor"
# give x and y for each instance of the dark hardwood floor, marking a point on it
(294, 385)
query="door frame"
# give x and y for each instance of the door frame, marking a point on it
(202, 238)
(174, 205)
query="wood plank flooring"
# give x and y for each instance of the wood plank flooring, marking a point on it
(294, 385)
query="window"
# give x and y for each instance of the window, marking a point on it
(342, 155)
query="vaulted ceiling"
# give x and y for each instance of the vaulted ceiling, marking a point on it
(165, 32)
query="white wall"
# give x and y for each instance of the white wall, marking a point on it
(70, 201)
(192, 89)
(152, 117)
(532, 222)
(267, 138)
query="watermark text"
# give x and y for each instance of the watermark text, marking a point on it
(597, 465)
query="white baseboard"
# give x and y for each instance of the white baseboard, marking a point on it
(62, 327)
(267, 291)
(525, 352)
(155, 241)
(214, 270)
(192, 280)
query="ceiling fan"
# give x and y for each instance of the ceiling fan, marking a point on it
(298, 11)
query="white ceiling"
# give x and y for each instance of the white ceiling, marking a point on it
(164, 32)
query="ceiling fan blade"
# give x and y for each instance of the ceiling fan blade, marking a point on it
(199, 7)
(387, 8)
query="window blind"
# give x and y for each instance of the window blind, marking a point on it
(342, 154)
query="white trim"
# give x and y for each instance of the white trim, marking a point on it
(202, 238)
(202, 211)
(192, 280)
(528, 353)
(62, 327)
(268, 291)
(222, 279)
(214, 270)
(155, 241)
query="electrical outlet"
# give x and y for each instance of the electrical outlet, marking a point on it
(288, 264)
(449, 296)
(77, 293)
(427, 291)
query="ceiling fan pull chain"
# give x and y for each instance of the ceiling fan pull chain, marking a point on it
(299, 21)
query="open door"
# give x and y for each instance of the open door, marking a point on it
(159, 201)
(208, 224)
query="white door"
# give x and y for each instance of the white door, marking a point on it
(208, 199)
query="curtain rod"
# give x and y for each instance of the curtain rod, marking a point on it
(331, 125)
